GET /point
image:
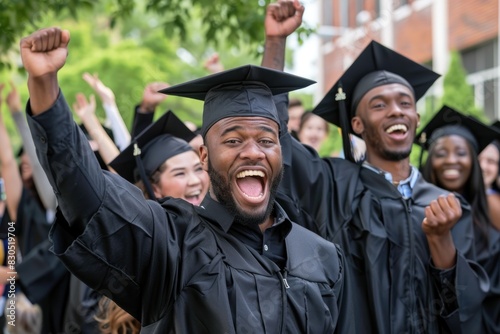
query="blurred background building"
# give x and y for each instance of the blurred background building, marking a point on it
(423, 30)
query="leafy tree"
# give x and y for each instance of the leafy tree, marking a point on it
(458, 94)
(130, 54)
(237, 22)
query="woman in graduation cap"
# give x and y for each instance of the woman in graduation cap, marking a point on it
(166, 165)
(454, 141)
(489, 159)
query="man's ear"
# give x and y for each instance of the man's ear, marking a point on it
(418, 124)
(357, 125)
(204, 157)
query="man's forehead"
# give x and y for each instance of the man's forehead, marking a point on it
(241, 123)
(389, 89)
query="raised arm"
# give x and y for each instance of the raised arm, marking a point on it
(42, 184)
(63, 151)
(10, 171)
(86, 111)
(282, 19)
(440, 217)
(120, 131)
(144, 112)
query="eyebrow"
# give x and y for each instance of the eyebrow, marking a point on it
(400, 94)
(239, 127)
(196, 164)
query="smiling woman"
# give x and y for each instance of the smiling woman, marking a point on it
(167, 164)
(454, 141)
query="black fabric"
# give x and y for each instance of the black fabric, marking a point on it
(44, 280)
(40, 272)
(173, 266)
(242, 91)
(32, 226)
(372, 80)
(488, 256)
(388, 262)
(448, 121)
(141, 121)
(166, 137)
(82, 306)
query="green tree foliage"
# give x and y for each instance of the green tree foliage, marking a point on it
(129, 54)
(234, 22)
(457, 94)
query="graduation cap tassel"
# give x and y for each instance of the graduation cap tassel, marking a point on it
(142, 172)
(344, 125)
(422, 140)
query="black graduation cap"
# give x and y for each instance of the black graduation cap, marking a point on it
(496, 125)
(242, 91)
(377, 65)
(451, 122)
(163, 139)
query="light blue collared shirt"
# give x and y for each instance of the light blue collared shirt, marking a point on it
(405, 187)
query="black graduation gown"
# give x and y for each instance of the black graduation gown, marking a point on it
(396, 290)
(175, 267)
(488, 256)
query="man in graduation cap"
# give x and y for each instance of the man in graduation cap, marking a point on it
(235, 264)
(408, 244)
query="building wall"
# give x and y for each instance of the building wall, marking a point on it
(470, 23)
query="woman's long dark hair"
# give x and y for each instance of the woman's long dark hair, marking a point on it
(474, 190)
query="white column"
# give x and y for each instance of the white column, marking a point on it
(440, 52)
(387, 32)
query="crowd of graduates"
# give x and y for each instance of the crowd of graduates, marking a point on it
(396, 248)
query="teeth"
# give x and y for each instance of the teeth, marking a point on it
(197, 193)
(397, 127)
(246, 173)
(253, 197)
(451, 172)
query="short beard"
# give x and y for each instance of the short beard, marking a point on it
(222, 192)
(396, 156)
(373, 140)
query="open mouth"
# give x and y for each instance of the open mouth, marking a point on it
(251, 183)
(397, 129)
(451, 173)
(193, 197)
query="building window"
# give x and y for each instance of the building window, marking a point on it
(360, 6)
(344, 13)
(377, 8)
(327, 13)
(480, 63)
(399, 3)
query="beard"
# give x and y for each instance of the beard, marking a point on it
(395, 156)
(222, 191)
(373, 140)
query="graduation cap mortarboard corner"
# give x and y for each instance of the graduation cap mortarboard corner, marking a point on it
(163, 139)
(448, 121)
(496, 125)
(239, 92)
(377, 65)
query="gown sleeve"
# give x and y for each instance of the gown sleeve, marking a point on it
(106, 232)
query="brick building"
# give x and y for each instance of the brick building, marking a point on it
(422, 30)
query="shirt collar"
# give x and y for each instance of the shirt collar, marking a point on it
(409, 181)
(218, 214)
